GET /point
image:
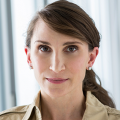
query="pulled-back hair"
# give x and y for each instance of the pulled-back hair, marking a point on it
(69, 19)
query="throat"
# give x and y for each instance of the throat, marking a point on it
(72, 109)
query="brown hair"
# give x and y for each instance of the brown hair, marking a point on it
(69, 19)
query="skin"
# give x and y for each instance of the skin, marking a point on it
(65, 100)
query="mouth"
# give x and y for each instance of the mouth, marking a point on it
(56, 80)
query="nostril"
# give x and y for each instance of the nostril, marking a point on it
(58, 68)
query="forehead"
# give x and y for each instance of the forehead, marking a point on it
(43, 32)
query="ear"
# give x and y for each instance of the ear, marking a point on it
(27, 52)
(92, 56)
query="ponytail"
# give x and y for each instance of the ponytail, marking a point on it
(90, 84)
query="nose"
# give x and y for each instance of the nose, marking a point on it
(57, 63)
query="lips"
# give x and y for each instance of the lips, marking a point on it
(56, 80)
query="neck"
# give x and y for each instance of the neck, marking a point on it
(67, 107)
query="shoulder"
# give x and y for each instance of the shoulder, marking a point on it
(97, 109)
(113, 114)
(15, 113)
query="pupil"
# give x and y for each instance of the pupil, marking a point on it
(71, 49)
(45, 48)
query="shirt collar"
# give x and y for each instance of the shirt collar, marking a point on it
(36, 105)
(95, 110)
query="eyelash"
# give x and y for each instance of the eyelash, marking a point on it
(71, 46)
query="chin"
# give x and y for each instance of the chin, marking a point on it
(56, 93)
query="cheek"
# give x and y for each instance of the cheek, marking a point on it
(77, 65)
(39, 67)
(39, 63)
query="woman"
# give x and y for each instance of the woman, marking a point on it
(61, 47)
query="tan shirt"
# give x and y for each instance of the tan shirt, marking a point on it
(95, 110)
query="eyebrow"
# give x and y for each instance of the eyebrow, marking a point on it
(67, 43)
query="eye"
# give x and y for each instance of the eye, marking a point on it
(72, 48)
(44, 48)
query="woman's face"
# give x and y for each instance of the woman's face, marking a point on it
(53, 55)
